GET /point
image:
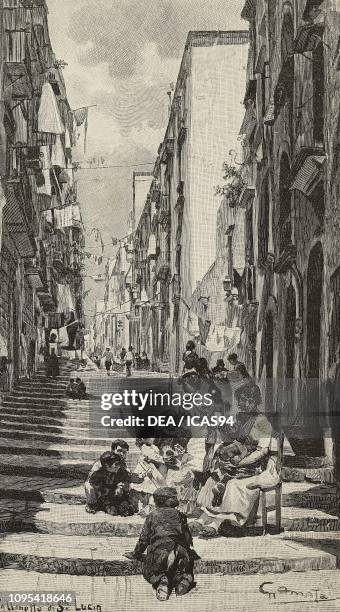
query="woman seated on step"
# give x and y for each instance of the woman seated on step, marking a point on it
(240, 468)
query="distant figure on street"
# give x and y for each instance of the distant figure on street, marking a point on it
(108, 358)
(52, 366)
(145, 361)
(81, 389)
(238, 365)
(191, 360)
(138, 361)
(96, 360)
(71, 329)
(123, 355)
(71, 389)
(129, 361)
(219, 368)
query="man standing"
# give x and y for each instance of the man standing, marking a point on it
(108, 358)
(129, 359)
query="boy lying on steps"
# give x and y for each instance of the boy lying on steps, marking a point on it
(169, 561)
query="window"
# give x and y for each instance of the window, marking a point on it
(318, 93)
(285, 221)
(287, 37)
(263, 228)
(334, 339)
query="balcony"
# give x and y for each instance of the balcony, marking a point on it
(176, 289)
(20, 217)
(164, 211)
(167, 150)
(34, 276)
(48, 296)
(287, 250)
(18, 79)
(308, 37)
(162, 268)
(308, 169)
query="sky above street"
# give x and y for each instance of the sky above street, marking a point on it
(122, 56)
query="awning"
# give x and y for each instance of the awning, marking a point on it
(308, 38)
(232, 337)
(16, 73)
(310, 4)
(262, 57)
(249, 122)
(16, 215)
(250, 90)
(20, 127)
(309, 175)
(269, 117)
(249, 10)
(69, 216)
(49, 119)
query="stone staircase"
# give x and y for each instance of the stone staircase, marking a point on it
(45, 454)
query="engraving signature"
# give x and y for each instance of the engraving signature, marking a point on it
(278, 591)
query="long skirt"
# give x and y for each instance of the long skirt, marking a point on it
(240, 503)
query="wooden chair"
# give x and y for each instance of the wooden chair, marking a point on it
(277, 490)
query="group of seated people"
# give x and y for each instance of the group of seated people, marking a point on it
(76, 389)
(142, 362)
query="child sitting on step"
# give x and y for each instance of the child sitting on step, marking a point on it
(107, 488)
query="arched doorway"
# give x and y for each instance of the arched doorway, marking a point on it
(313, 416)
(314, 302)
(290, 320)
(269, 359)
(285, 222)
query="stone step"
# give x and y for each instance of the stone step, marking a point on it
(296, 474)
(17, 400)
(34, 465)
(52, 403)
(55, 405)
(39, 418)
(43, 394)
(301, 495)
(300, 461)
(72, 519)
(67, 411)
(46, 449)
(81, 436)
(105, 556)
(37, 384)
(310, 495)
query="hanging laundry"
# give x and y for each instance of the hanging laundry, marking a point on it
(204, 327)
(215, 339)
(193, 325)
(81, 124)
(232, 337)
(46, 162)
(58, 155)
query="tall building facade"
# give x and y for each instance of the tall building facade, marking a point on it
(203, 126)
(290, 135)
(42, 238)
